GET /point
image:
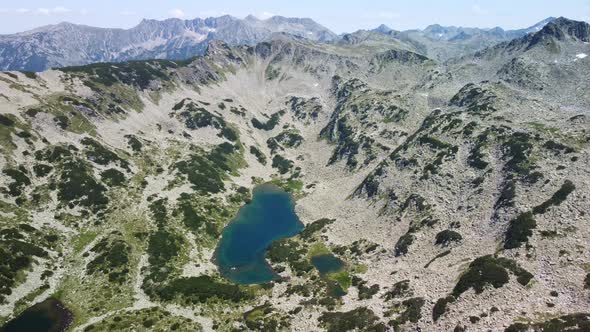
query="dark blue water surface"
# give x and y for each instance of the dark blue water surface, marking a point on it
(327, 263)
(47, 316)
(269, 217)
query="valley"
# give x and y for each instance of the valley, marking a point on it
(431, 194)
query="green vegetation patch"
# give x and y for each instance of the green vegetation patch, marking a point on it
(112, 177)
(42, 170)
(523, 277)
(20, 181)
(6, 121)
(314, 227)
(403, 243)
(291, 252)
(516, 153)
(490, 271)
(483, 271)
(202, 288)
(476, 156)
(191, 217)
(163, 247)
(287, 138)
(399, 290)
(265, 318)
(195, 117)
(97, 153)
(364, 292)
(53, 154)
(359, 319)
(557, 147)
(206, 172)
(152, 319)
(573, 322)
(270, 124)
(519, 230)
(134, 143)
(440, 307)
(9, 125)
(77, 186)
(135, 73)
(304, 108)
(409, 310)
(282, 164)
(285, 251)
(446, 237)
(475, 99)
(558, 197)
(112, 259)
(17, 256)
(258, 154)
(348, 146)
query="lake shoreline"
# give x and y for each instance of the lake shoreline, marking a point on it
(269, 217)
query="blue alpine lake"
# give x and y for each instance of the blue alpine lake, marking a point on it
(327, 263)
(268, 217)
(48, 316)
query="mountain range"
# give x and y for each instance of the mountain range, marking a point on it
(67, 44)
(442, 183)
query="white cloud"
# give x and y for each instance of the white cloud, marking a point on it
(265, 15)
(52, 11)
(211, 13)
(59, 10)
(477, 9)
(177, 13)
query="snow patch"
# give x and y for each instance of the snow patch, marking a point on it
(581, 55)
(198, 37)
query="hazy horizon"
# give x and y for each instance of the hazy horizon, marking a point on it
(341, 17)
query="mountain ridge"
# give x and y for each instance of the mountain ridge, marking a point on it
(67, 44)
(71, 44)
(454, 195)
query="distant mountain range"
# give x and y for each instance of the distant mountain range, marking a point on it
(434, 193)
(68, 44)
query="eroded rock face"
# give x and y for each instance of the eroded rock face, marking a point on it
(67, 44)
(451, 195)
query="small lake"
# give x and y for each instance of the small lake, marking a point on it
(268, 217)
(47, 316)
(327, 263)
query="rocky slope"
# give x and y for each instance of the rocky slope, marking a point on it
(456, 194)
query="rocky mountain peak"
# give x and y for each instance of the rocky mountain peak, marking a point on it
(562, 28)
(383, 29)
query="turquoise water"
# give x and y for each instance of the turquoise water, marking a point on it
(269, 217)
(47, 316)
(327, 263)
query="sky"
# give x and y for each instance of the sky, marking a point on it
(339, 16)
